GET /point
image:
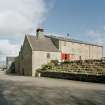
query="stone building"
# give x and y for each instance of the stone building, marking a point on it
(41, 49)
(9, 63)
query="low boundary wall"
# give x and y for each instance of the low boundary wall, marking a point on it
(79, 77)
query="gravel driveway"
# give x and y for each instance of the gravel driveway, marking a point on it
(20, 90)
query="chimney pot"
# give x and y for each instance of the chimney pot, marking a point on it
(40, 33)
(40, 30)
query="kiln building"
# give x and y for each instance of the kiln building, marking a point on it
(41, 49)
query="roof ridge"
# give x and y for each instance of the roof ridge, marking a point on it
(72, 40)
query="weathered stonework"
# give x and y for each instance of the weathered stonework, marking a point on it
(38, 51)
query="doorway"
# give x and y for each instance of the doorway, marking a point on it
(22, 71)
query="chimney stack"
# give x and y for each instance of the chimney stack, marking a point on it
(40, 33)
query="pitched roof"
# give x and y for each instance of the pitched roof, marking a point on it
(43, 44)
(72, 40)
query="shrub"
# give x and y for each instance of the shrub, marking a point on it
(48, 66)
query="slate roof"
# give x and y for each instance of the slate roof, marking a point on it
(46, 44)
(42, 44)
(72, 40)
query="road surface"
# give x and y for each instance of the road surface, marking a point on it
(20, 90)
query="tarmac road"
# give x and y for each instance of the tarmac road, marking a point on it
(20, 90)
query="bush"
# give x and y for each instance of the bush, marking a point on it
(48, 66)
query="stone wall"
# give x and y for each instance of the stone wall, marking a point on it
(77, 50)
(25, 59)
(79, 77)
(40, 58)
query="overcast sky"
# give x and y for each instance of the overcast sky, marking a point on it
(18, 17)
(82, 19)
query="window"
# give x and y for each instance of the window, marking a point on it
(48, 55)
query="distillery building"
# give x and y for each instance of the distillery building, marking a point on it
(41, 49)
